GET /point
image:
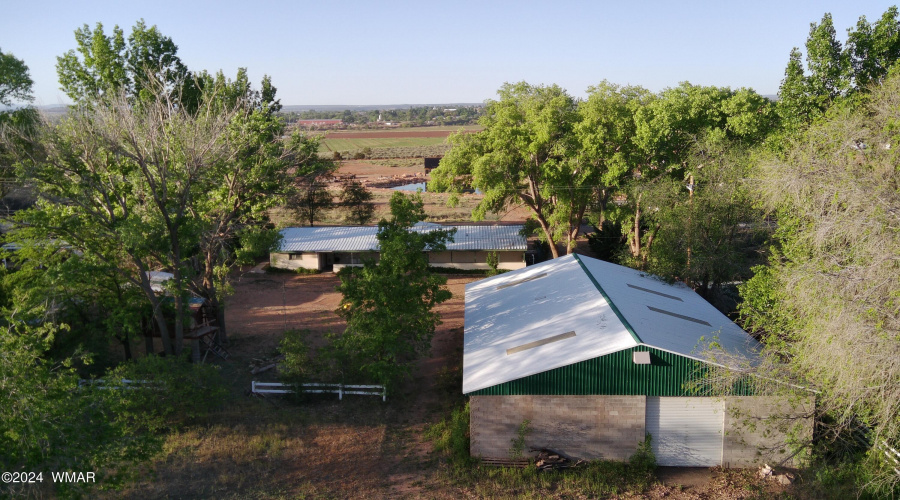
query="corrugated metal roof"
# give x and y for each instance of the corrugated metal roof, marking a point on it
(364, 238)
(592, 298)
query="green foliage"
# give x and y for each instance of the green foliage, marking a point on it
(642, 464)
(108, 65)
(297, 367)
(172, 392)
(357, 200)
(451, 437)
(389, 305)
(517, 444)
(15, 83)
(49, 424)
(523, 155)
(836, 71)
(493, 261)
(311, 200)
(828, 300)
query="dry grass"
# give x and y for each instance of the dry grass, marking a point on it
(435, 206)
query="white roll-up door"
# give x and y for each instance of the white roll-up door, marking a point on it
(686, 432)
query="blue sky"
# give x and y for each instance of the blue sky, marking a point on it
(349, 52)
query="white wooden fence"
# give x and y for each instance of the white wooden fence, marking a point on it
(319, 388)
(892, 454)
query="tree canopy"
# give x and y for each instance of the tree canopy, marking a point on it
(389, 304)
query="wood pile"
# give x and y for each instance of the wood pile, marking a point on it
(544, 461)
(552, 460)
(259, 365)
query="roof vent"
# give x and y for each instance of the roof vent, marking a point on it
(641, 357)
(523, 280)
(680, 316)
(538, 343)
(654, 292)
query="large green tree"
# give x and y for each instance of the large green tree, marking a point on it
(111, 64)
(827, 303)
(15, 82)
(524, 156)
(157, 185)
(834, 70)
(673, 129)
(389, 304)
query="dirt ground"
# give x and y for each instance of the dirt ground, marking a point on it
(361, 446)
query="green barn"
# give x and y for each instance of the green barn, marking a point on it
(595, 356)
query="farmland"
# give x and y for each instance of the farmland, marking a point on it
(395, 143)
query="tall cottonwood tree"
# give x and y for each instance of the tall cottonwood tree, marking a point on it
(827, 303)
(111, 64)
(523, 156)
(158, 185)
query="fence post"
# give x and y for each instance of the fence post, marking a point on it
(341, 391)
(383, 393)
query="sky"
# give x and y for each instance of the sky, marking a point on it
(333, 52)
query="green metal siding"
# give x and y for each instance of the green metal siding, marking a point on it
(617, 374)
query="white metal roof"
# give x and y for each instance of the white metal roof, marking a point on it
(520, 323)
(364, 238)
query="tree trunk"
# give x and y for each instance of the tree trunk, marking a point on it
(126, 344)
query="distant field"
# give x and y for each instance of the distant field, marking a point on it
(352, 144)
(352, 141)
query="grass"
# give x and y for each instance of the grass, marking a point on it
(352, 145)
(599, 478)
(435, 206)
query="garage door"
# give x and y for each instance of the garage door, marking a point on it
(686, 431)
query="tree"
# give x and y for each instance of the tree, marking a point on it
(357, 200)
(18, 125)
(15, 83)
(154, 184)
(110, 65)
(827, 302)
(671, 129)
(389, 305)
(827, 63)
(709, 237)
(605, 134)
(312, 199)
(873, 49)
(836, 72)
(523, 155)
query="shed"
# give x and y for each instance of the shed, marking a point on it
(595, 356)
(332, 248)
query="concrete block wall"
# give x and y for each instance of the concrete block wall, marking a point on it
(757, 429)
(590, 427)
(284, 261)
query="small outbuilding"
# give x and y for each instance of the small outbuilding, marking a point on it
(333, 248)
(595, 356)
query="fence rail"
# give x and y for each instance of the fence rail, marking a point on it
(319, 388)
(892, 454)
